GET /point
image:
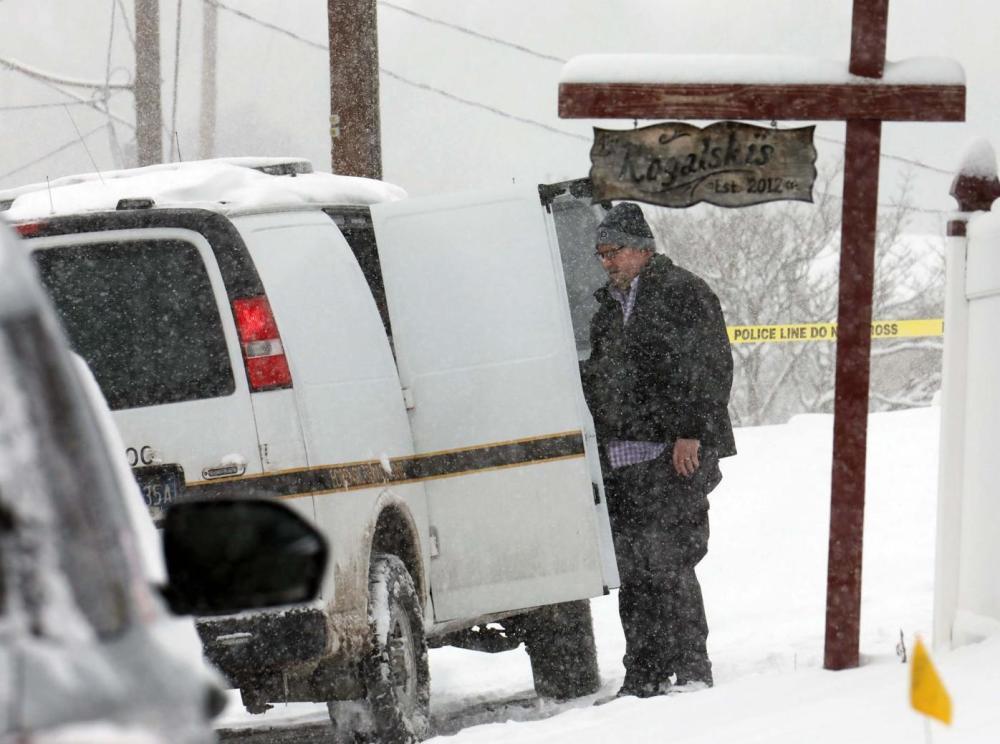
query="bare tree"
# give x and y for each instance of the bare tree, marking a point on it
(761, 262)
(777, 264)
(909, 284)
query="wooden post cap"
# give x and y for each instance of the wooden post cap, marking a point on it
(976, 184)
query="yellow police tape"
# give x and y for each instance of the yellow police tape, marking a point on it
(881, 329)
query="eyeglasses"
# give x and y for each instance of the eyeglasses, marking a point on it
(608, 255)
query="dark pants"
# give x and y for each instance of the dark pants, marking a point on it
(659, 520)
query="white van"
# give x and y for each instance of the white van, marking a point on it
(88, 652)
(422, 404)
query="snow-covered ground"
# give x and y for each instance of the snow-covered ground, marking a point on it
(765, 590)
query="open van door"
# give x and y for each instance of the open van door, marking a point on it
(486, 354)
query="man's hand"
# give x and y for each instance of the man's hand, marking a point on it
(686, 456)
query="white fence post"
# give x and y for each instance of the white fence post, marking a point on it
(975, 187)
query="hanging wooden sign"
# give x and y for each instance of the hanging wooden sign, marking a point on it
(729, 164)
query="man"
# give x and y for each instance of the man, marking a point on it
(658, 382)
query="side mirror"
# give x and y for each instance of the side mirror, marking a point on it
(228, 555)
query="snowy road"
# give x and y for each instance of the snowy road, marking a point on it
(520, 707)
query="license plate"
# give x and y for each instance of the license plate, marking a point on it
(161, 485)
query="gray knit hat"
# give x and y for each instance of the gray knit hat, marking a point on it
(625, 225)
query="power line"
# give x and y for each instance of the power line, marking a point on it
(532, 52)
(470, 32)
(884, 205)
(265, 24)
(402, 79)
(29, 106)
(112, 134)
(128, 23)
(549, 57)
(93, 103)
(111, 42)
(84, 143)
(50, 153)
(177, 69)
(24, 69)
(485, 107)
(900, 158)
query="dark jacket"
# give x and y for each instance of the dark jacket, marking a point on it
(668, 373)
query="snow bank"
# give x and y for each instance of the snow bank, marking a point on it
(764, 582)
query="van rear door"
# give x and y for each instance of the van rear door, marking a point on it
(143, 308)
(484, 343)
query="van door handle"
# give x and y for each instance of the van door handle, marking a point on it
(224, 470)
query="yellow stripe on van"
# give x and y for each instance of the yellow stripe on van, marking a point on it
(407, 469)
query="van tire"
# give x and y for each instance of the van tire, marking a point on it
(560, 643)
(395, 671)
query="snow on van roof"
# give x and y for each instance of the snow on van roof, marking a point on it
(228, 184)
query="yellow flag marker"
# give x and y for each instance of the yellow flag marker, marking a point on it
(927, 693)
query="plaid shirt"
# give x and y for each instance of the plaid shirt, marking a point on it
(626, 452)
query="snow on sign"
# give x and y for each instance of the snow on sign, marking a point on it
(729, 164)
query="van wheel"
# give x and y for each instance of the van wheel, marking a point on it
(395, 672)
(560, 643)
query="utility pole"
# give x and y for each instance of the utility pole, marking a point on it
(209, 47)
(148, 112)
(356, 142)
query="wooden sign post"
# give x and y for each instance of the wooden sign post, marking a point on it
(864, 106)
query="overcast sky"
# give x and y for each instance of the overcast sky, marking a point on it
(273, 89)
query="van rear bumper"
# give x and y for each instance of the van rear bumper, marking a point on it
(250, 645)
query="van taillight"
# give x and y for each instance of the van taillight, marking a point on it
(29, 229)
(263, 354)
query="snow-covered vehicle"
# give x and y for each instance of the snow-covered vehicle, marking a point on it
(88, 651)
(402, 371)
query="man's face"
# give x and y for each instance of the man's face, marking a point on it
(622, 263)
